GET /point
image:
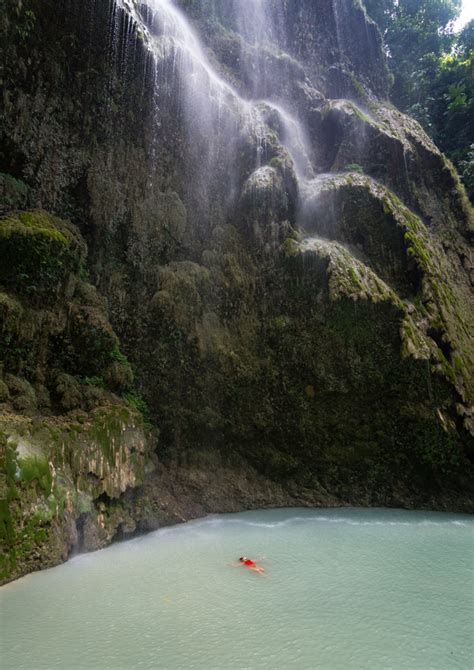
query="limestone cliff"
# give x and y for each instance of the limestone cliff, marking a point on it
(280, 256)
(71, 438)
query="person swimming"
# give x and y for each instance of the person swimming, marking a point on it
(246, 561)
(252, 565)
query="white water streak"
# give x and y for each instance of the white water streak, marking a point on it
(214, 110)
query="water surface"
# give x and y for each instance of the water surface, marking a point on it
(345, 589)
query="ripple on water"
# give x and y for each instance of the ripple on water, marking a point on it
(344, 588)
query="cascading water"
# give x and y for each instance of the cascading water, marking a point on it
(229, 139)
(219, 122)
(294, 138)
(254, 22)
(337, 23)
(208, 108)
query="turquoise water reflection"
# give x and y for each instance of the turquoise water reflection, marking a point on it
(345, 588)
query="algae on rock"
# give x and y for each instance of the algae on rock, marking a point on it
(66, 441)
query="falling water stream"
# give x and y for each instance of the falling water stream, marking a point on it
(216, 115)
(344, 589)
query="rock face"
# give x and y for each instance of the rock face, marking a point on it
(70, 446)
(282, 256)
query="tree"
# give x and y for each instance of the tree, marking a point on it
(433, 73)
(450, 105)
(416, 33)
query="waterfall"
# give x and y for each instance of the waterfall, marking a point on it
(294, 137)
(253, 23)
(211, 111)
(220, 123)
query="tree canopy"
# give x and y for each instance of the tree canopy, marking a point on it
(433, 72)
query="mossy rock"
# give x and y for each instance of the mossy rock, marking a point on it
(353, 209)
(37, 254)
(67, 391)
(92, 341)
(119, 376)
(52, 470)
(43, 397)
(64, 345)
(184, 287)
(394, 149)
(22, 394)
(11, 312)
(371, 223)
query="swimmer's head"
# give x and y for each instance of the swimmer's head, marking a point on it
(242, 559)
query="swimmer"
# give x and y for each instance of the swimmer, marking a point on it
(252, 565)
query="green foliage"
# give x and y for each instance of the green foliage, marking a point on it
(136, 399)
(433, 72)
(413, 30)
(35, 469)
(35, 256)
(450, 105)
(290, 247)
(94, 381)
(25, 20)
(8, 493)
(117, 355)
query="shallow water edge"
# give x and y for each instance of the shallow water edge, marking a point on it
(189, 511)
(343, 588)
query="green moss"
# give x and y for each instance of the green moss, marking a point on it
(22, 394)
(106, 430)
(136, 400)
(82, 502)
(358, 86)
(275, 162)
(35, 256)
(117, 355)
(41, 222)
(94, 381)
(291, 247)
(281, 322)
(361, 115)
(459, 363)
(90, 341)
(35, 469)
(100, 451)
(355, 278)
(8, 493)
(350, 278)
